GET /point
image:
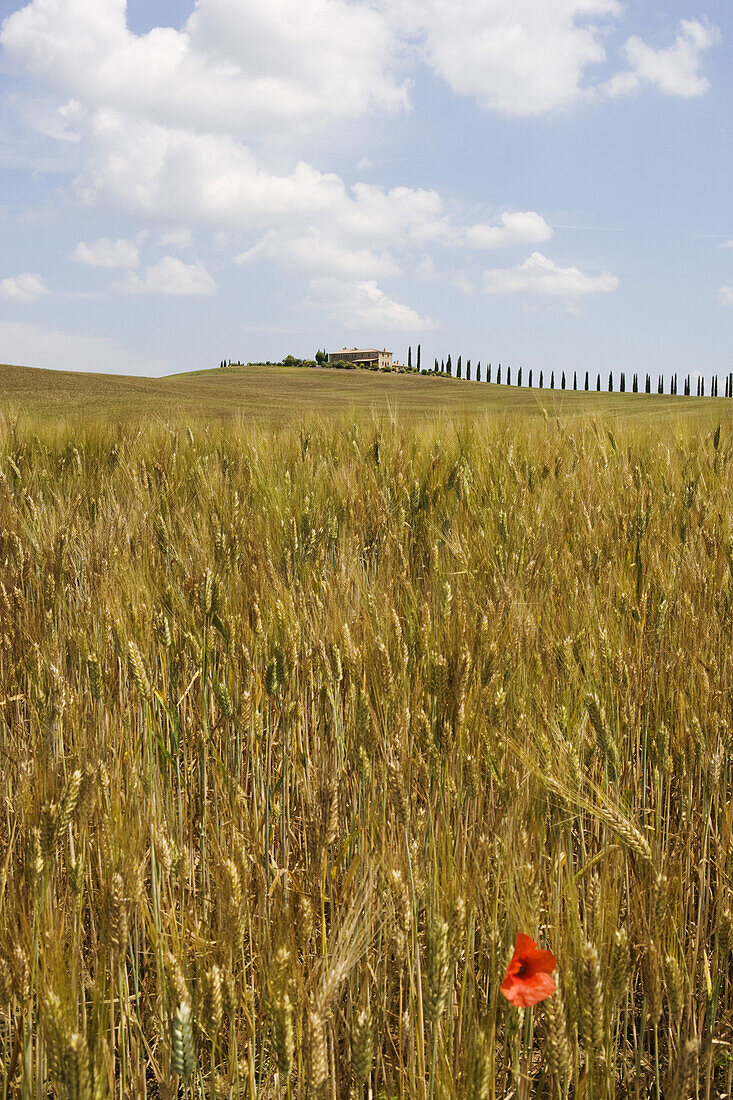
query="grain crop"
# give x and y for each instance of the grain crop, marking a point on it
(300, 727)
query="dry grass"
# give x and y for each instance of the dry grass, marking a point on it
(299, 729)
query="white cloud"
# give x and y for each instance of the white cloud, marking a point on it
(524, 58)
(32, 346)
(211, 179)
(169, 276)
(314, 252)
(157, 172)
(538, 275)
(237, 65)
(163, 120)
(364, 306)
(522, 227)
(176, 238)
(725, 295)
(25, 288)
(674, 70)
(107, 253)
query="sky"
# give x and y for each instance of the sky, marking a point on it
(541, 183)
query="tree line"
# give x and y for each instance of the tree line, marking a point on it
(616, 383)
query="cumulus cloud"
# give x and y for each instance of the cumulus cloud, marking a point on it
(158, 172)
(538, 275)
(33, 346)
(169, 276)
(237, 65)
(314, 252)
(107, 253)
(25, 288)
(523, 58)
(522, 227)
(169, 126)
(725, 295)
(244, 67)
(364, 306)
(675, 69)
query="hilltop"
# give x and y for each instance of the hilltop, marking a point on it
(274, 394)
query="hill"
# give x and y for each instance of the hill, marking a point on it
(269, 394)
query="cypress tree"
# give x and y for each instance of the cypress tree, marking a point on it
(509, 376)
(468, 370)
(726, 387)
(598, 383)
(498, 375)
(478, 371)
(435, 367)
(702, 387)
(730, 384)
(488, 373)
(586, 381)
(409, 357)
(552, 381)
(459, 373)
(530, 378)
(623, 382)
(610, 382)
(660, 385)
(449, 366)
(442, 366)
(519, 377)
(648, 384)
(563, 381)
(418, 357)
(541, 380)
(575, 380)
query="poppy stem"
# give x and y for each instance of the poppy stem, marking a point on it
(523, 1088)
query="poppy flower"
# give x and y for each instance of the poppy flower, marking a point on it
(528, 979)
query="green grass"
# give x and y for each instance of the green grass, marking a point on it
(279, 395)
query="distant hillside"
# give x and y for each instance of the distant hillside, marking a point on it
(278, 394)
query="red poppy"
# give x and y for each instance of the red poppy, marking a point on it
(528, 979)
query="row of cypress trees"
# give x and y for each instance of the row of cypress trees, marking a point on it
(446, 367)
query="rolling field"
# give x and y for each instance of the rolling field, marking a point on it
(299, 728)
(278, 395)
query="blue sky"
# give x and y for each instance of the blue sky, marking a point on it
(545, 184)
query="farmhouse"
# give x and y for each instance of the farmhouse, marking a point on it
(363, 357)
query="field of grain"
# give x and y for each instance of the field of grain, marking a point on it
(300, 727)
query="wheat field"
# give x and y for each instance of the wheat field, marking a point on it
(299, 728)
